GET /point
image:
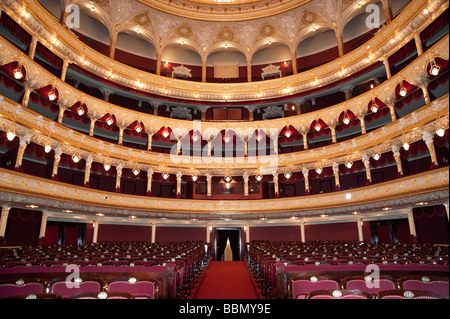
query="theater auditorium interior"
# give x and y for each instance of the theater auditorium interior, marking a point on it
(224, 150)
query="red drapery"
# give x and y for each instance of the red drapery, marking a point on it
(39, 152)
(66, 160)
(9, 144)
(49, 56)
(436, 26)
(15, 29)
(99, 168)
(158, 136)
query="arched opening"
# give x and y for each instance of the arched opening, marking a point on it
(226, 66)
(176, 55)
(272, 53)
(136, 52)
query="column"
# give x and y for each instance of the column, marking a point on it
(106, 93)
(294, 61)
(23, 143)
(61, 111)
(203, 69)
(247, 233)
(64, 69)
(32, 50)
(95, 233)
(87, 171)
(211, 138)
(208, 233)
(428, 139)
(246, 146)
(150, 139)
(3, 222)
(336, 176)
(275, 184)
(121, 128)
(179, 144)
(179, 184)
(158, 62)
(446, 209)
(245, 184)
(149, 181)
(249, 69)
(118, 176)
(392, 109)
(275, 141)
(363, 124)
(396, 152)
(387, 11)
(412, 226)
(360, 230)
(418, 42)
(340, 43)
(203, 109)
(153, 233)
(302, 230)
(305, 172)
(366, 162)
(251, 109)
(26, 95)
(57, 158)
(347, 89)
(43, 228)
(426, 95)
(112, 45)
(333, 133)
(386, 65)
(208, 184)
(92, 127)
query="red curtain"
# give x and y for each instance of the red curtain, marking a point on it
(66, 160)
(436, 26)
(414, 149)
(39, 152)
(356, 167)
(15, 29)
(158, 136)
(9, 144)
(23, 227)
(49, 56)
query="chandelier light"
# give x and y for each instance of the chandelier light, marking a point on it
(10, 135)
(107, 167)
(288, 175)
(346, 119)
(434, 70)
(440, 132)
(319, 170)
(75, 158)
(259, 178)
(376, 156)
(18, 73)
(349, 164)
(165, 175)
(288, 133)
(52, 95)
(80, 110)
(374, 107)
(48, 148)
(406, 146)
(228, 179)
(135, 171)
(194, 178)
(165, 133)
(403, 91)
(317, 127)
(109, 120)
(138, 128)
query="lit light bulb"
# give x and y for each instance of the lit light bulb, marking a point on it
(165, 133)
(349, 164)
(109, 120)
(138, 128)
(80, 110)
(10, 135)
(440, 132)
(403, 91)
(227, 179)
(52, 95)
(287, 175)
(18, 74)
(317, 127)
(48, 148)
(165, 175)
(227, 185)
(346, 120)
(319, 170)
(376, 156)
(75, 158)
(258, 137)
(406, 146)
(195, 137)
(194, 177)
(374, 108)
(135, 171)
(107, 167)
(435, 70)
(287, 133)
(258, 178)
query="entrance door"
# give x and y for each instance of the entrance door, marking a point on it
(220, 243)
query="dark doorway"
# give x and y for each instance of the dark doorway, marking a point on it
(220, 242)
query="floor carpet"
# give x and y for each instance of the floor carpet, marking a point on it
(226, 280)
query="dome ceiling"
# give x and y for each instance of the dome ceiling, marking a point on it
(163, 22)
(224, 10)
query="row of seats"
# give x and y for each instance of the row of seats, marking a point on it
(301, 287)
(263, 257)
(358, 294)
(92, 288)
(189, 258)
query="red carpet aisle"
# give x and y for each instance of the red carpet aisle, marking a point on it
(226, 280)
